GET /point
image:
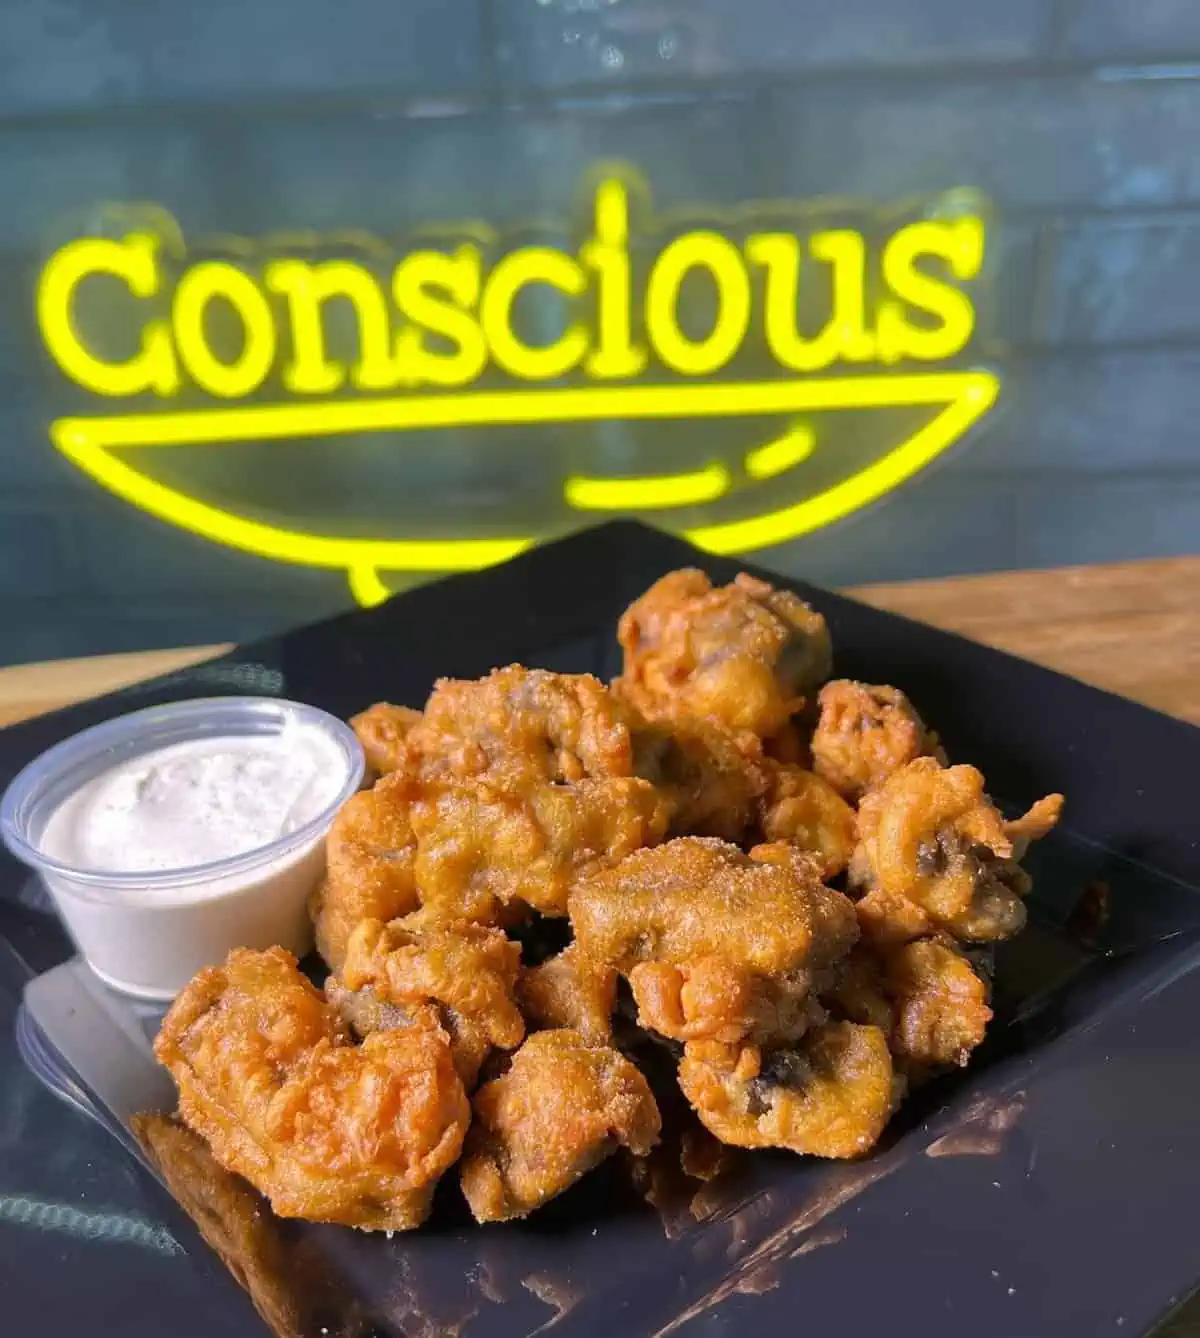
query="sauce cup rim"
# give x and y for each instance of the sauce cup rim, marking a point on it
(194, 718)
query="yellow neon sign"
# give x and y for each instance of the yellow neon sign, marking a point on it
(638, 494)
(777, 457)
(440, 346)
(135, 262)
(193, 296)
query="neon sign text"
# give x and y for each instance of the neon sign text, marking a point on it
(469, 308)
(264, 343)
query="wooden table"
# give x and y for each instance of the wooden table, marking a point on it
(1131, 627)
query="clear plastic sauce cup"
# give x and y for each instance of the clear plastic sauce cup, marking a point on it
(148, 932)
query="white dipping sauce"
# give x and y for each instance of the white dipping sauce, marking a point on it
(193, 803)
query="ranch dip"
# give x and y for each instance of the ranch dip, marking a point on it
(196, 802)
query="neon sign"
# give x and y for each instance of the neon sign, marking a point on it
(778, 319)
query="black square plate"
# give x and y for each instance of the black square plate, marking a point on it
(1051, 1189)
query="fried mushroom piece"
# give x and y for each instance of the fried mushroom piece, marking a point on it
(470, 969)
(804, 810)
(712, 783)
(364, 1011)
(742, 656)
(370, 857)
(383, 731)
(474, 850)
(569, 991)
(865, 733)
(327, 1130)
(935, 853)
(529, 722)
(564, 1105)
(482, 848)
(829, 1096)
(712, 998)
(940, 1001)
(926, 996)
(466, 971)
(715, 944)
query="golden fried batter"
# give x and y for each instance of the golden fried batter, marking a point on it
(807, 812)
(698, 897)
(712, 998)
(856, 993)
(941, 1003)
(743, 655)
(537, 724)
(715, 943)
(383, 731)
(569, 991)
(830, 1096)
(934, 853)
(481, 847)
(886, 919)
(802, 1013)
(470, 970)
(370, 855)
(474, 850)
(711, 782)
(366, 1012)
(507, 782)
(327, 1130)
(926, 996)
(865, 733)
(563, 1106)
(1039, 821)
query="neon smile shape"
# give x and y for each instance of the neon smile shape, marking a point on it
(446, 352)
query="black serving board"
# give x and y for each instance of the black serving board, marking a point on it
(1052, 1188)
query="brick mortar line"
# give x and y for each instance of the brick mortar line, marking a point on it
(681, 89)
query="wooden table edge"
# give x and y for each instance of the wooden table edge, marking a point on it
(1132, 627)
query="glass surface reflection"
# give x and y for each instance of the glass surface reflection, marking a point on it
(82, 1230)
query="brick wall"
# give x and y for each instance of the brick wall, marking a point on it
(1081, 119)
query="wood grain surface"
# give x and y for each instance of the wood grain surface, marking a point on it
(1131, 627)
(30, 689)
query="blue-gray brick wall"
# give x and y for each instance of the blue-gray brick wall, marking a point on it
(1079, 118)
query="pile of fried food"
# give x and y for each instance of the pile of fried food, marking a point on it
(777, 875)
